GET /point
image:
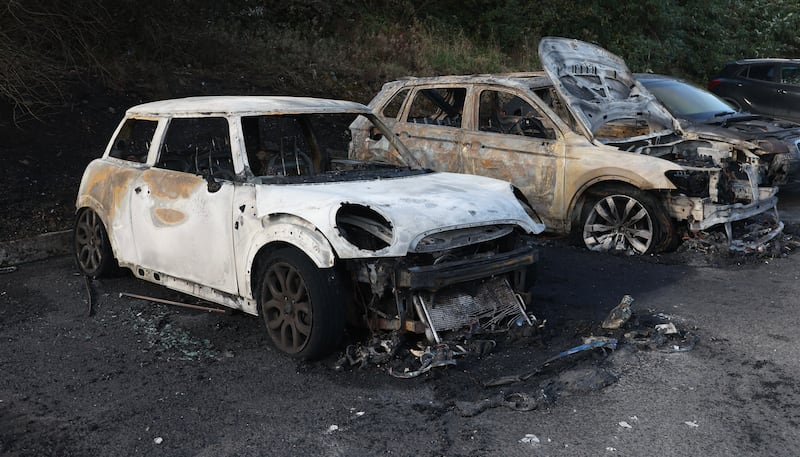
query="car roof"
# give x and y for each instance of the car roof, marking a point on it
(763, 60)
(527, 78)
(244, 105)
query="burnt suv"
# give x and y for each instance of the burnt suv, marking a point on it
(764, 86)
(593, 151)
(254, 203)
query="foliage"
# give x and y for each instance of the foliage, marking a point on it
(348, 48)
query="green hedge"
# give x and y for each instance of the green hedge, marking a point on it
(347, 49)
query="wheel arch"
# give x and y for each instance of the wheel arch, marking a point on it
(287, 231)
(600, 185)
(87, 202)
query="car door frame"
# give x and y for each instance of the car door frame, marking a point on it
(433, 146)
(535, 165)
(182, 214)
(787, 98)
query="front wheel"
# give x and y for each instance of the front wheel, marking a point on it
(301, 304)
(628, 220)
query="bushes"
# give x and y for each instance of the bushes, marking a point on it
(347, 49)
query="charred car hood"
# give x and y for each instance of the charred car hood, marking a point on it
(599, 88)
(413, 206)
(757, 127)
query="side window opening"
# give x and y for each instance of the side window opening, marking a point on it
(790, 74)
(438, 107)
(504, 112)
(303, 147)
(392, 109)
(762, 72)
(198, 145)
(133, 141)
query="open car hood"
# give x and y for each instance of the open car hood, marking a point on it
(599, 89)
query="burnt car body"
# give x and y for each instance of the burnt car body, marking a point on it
(763, 86)
(252, 203)
(704, 113)
(595, 153)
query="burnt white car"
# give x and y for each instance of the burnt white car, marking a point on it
(253, 203)
(594, 152)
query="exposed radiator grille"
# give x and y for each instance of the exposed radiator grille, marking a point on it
(487, 304)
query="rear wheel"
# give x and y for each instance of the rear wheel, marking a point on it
(93, 253)
(301, 304)
(626, 220)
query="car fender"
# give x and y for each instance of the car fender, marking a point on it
(288, 229)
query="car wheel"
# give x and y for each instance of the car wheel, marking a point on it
(626, 220)
(301, 304)
(93, 253)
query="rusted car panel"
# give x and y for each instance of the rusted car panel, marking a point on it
(611, 168)
(252, 203)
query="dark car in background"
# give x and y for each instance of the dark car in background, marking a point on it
(764, 86)
(704, 113)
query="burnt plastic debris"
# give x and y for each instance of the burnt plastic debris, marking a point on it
(619, 315)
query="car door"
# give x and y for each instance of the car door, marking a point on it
(787, 100)
(430, 125)
(181, 208)
(758, 89)
(511, 138)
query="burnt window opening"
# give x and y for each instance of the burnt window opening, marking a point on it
(198, 145)
(504, 112)
(442, 107)
(392, 109)
(133, 140)
(297, 144)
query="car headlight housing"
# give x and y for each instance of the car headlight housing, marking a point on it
(692, 183)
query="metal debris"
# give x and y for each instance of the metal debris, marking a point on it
(170, 302)
(377, 351)
(432, 357)
(518, 401)
(662, 337)
(606, 343)
(666, 329)
(88, 280)
(9, 269)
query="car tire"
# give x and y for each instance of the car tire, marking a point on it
(626, 220)
(302, 306)
(92, 248)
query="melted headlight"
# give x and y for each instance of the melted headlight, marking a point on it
(363, 227)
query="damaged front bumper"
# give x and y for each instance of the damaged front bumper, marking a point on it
(437, 276)
(450, 292)
(704, 214)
